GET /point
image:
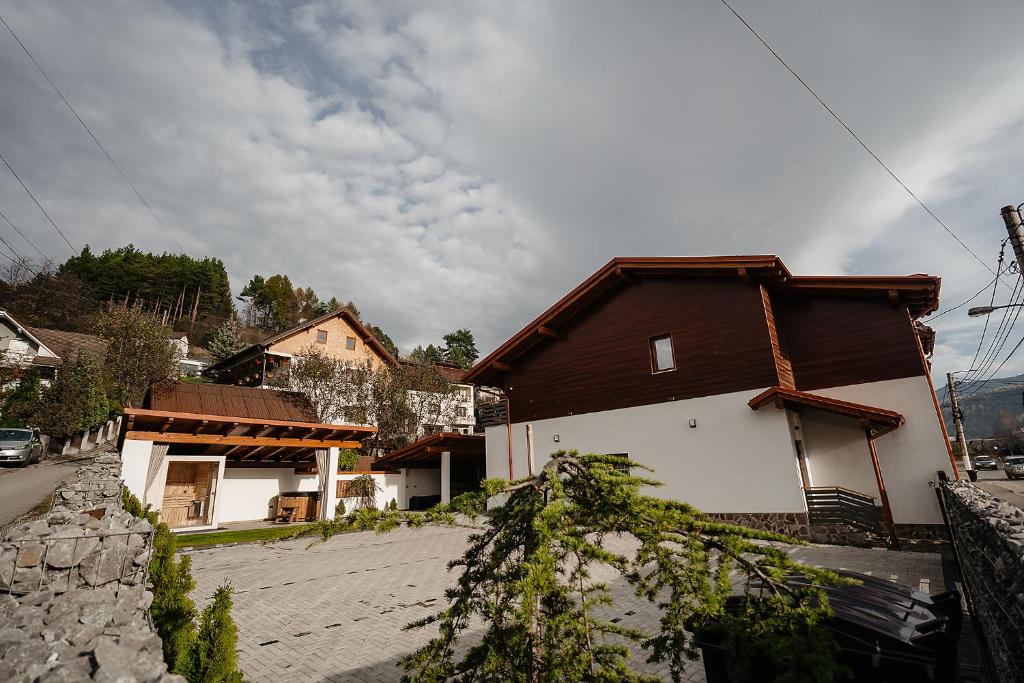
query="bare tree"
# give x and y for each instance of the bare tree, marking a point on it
(401, 401)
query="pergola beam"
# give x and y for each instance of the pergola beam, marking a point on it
(235, 440)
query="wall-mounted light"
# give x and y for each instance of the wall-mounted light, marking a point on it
(557, 438)
(693, 423)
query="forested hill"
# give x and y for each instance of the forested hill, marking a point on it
(989, 409)
(67, 296)
(154, 279)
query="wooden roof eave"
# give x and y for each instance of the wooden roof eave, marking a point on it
(615, 273)
(879, 420)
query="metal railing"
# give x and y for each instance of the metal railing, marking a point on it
(838, 505)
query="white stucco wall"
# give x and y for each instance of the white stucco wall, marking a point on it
(909, 457)
(248, 493)
(135, 465)
(837, 453)
(390, 488)
(421, 482)
(734, 460)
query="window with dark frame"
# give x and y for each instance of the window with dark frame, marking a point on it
(663, 357)
(321, 336)
(350, 343)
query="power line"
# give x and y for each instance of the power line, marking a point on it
(962, 303)
(992, 299)
(92, 135)
(23, 235)
(1000, 337)
(857, 138)
(25, 187)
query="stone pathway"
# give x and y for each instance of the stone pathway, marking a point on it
(336, 611)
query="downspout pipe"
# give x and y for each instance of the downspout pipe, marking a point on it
(508, 432)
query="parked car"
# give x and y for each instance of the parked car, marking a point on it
(984, 462)
(20, 446)
(1013, 465)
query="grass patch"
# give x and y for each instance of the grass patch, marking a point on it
(242, 536)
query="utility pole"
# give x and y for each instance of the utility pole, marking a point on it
(1011, 216)
(958, 422)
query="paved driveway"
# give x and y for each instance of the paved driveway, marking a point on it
(335, 612)
(23, 487)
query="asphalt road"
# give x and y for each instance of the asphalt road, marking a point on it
(22, 488)
(996, 483)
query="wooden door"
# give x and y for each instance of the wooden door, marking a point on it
(187, 482)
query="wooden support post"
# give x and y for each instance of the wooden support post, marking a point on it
(529, 450)
(894, 540)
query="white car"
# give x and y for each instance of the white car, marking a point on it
(1013, 465)
(20, 446)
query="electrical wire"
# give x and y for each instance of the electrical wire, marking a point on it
(962, 303)
(48, 217)
(856, 137)
(1000, 337)
(95, 139)
(988, 318)
(23, 235)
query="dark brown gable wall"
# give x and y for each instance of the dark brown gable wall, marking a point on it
(601, 359)
(838, 341)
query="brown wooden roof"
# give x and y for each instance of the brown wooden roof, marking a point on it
(426, 452)
(229, 401)
(67, 345)
(880, 420)
(918, 292)
(368, 338)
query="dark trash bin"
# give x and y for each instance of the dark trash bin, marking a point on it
(423, 502)
(884, 631)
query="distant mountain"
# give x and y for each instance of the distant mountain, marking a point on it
(982, 405)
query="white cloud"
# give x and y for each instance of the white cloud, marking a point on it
(464, 164)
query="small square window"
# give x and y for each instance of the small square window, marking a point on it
(321, 336)
(350, 343)
(662, 354)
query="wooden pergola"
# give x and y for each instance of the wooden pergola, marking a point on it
(245, 442)
(426, 452)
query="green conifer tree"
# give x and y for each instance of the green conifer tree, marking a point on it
(172, 610)
(213, 659)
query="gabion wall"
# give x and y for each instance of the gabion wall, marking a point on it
(988, 534)
(73, 598)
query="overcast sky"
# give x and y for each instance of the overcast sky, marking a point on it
(464, 164)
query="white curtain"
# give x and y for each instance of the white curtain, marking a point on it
(323, 466)
(157, 455)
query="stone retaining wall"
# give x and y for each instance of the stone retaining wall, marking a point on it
(73, 600)
(92, 486)
(988, 535)
(790, 523)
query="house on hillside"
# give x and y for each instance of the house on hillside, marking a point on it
(191, 360)
(267, 363)
(460, 417)
(761, 397)
(341, 336)
(44, 349)
(206, 454)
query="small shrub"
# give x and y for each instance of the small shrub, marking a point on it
(347, 459)
(173, 611)
(393, 505)
(203, 655)
(212, 655)
(339, 509)
(365, 488)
